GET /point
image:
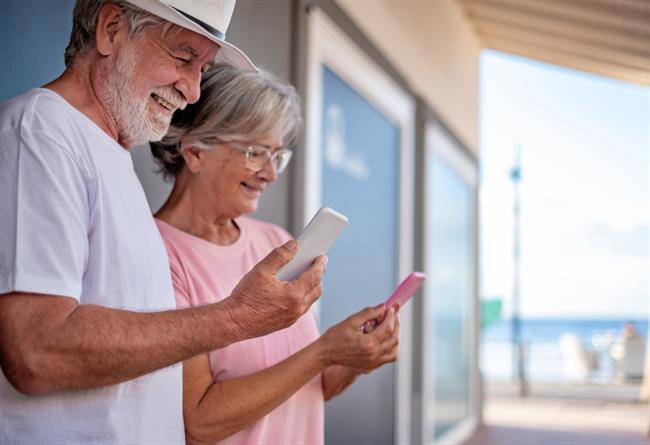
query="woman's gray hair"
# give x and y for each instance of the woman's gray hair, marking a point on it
(84, 24)
(234, 106)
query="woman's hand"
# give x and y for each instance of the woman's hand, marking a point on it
(347, 344)
(261, 304)
(213, 411)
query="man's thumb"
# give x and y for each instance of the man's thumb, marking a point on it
(278, 257)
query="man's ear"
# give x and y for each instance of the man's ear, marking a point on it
(109, 24)
(193, 157)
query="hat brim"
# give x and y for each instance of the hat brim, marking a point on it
(228, 53)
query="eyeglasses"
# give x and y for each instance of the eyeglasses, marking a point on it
(257, 156)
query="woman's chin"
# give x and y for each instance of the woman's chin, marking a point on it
(248, 199)
(248, 206)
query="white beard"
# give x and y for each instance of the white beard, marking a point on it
(135, 119)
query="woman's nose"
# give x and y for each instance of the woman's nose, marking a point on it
(268, 172)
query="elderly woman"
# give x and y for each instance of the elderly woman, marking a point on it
(222, 153)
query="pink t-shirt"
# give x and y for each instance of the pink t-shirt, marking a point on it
(203, 273)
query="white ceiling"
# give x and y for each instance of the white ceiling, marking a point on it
(608, 37)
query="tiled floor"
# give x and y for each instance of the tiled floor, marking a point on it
(564, 416)
(505, 435)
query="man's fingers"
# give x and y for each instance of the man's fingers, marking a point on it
(314, 294)
(278, 257)
(312, 276)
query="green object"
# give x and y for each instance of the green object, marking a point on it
(490, 311)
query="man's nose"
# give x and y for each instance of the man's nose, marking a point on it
(189, 85)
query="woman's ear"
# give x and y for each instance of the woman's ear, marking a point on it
(193, 157)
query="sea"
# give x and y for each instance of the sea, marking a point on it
(543, 360)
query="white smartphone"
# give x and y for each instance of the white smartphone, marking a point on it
(317, 237)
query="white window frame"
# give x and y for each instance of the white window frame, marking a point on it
(438, 143)
(328, 45)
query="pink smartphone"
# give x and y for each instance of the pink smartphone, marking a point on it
(402, 294)
(406, 289)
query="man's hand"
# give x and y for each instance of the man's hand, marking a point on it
(261, 304)
(52, 343)
(348, 345)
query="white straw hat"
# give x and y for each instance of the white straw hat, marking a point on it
(210, 18)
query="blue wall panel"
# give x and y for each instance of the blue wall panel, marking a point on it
(360, 178)
(33, 37)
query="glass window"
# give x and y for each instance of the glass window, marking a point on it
(449, 260)
(359, 159)
(360, 174)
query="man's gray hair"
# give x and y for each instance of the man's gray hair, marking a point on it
(234, 106)
(84, 24)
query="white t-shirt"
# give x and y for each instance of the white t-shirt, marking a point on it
(74, 221)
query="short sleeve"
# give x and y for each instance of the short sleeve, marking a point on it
(180, 291)
(43, 216)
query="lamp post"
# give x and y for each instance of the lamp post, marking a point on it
(518, 352)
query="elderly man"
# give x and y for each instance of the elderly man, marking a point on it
(88, 336)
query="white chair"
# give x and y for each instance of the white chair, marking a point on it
(575, 361)
(629, 356)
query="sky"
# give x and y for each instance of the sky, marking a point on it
(585, 189)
